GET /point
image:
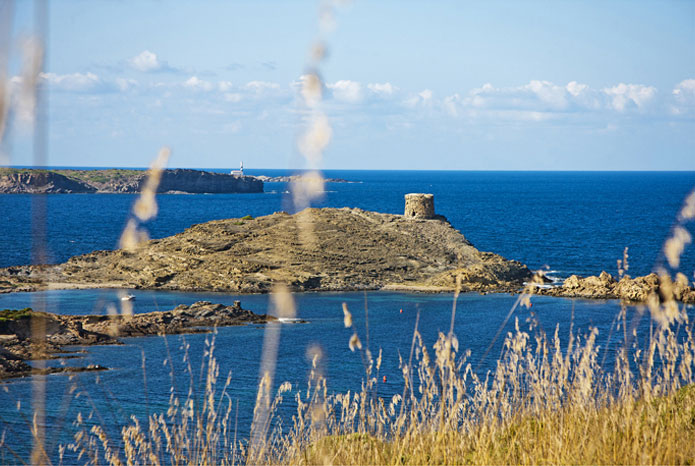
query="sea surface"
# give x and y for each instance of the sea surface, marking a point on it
(567, 222)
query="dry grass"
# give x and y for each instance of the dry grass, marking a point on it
(544, 404)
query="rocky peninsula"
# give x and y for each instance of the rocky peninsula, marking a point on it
(17, 345)
(324, 249)
(39, 181)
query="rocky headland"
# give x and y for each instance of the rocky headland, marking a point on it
(314, 250)
(39, 181)
(17, 331)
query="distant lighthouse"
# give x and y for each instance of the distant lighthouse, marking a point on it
(240, 171)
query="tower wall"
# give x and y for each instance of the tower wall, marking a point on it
(419, 205)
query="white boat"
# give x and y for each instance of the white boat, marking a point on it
(128, 297)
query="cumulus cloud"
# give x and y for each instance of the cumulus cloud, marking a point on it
(541, 100)
(346, 90)
(535, 96)
(626, 96)
(148, 62)
(197, 84)
(422, 98)
(77, 82)
(683, 97)
(86, 83)
(382, 89)
(685, 89)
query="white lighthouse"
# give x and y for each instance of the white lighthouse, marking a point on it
(240, 171)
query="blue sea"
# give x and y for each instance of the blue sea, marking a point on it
(566, 222)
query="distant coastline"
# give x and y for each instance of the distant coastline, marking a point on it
(115, 180)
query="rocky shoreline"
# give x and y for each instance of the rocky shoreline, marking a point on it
(122, 181)
(633, 290)
(17, 344)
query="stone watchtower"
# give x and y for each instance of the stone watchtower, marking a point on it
(419, 205)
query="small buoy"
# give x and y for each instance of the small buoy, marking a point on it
(401, 311)
(384, 378)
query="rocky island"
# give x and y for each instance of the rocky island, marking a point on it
(116, 180)
(324, 249)
(17, 345)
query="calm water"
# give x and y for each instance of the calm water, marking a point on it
(571, 222)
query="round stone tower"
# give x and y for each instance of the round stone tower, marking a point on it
(419, 205)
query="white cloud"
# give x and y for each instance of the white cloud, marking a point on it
(546, 98)
(625, 96)
(382, 89)
(148, 61)
(197, 84)
(576, 89)
(451, 104)
(549, 94)
(685, 89)
(683, 96)
(534, 96)
(346, 90)
(75, 82)
(422, 98)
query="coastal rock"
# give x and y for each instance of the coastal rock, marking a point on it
(316, 249)
(182, 319)
(636, 289)
(18, 344)
(15, 181)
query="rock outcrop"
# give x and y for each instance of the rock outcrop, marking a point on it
(14, 181)
(636, 289)
(317, 249)
(17, 344)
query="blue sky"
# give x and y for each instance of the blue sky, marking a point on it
(513, 85)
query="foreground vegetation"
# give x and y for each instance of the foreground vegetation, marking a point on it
(545, 403)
